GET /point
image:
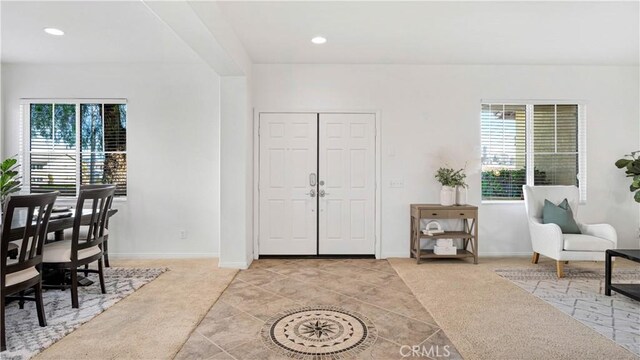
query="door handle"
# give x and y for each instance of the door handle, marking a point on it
(322, 193)
(312, 193)
(312, 179)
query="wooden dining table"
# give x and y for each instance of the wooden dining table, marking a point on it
(58, 223)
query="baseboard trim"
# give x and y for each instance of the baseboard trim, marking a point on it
(233, 265)
(395, 255)
(504, 254)
(485, 254)
(127, 256)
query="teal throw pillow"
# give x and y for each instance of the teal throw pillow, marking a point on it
(560, 215)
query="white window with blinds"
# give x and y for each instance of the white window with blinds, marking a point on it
(68, 143)
(531, 144)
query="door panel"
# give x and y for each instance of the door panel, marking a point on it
(288, 155)
(347, 167)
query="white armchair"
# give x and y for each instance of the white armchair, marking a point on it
(548, 240)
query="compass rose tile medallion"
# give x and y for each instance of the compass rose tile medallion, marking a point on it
(319, 332)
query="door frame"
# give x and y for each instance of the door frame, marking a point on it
(256, 172)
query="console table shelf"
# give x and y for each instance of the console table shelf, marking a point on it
(428, 254)
(448, 235)
(469, 232)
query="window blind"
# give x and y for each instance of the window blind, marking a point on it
(503, 136)
(555, 144)
(53, 148)
(103, 143)
(57, 163)
(535, 144)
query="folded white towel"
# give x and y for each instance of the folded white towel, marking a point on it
(444, 250)
(444, 242)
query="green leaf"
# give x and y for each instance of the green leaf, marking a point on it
(10, 185)
(7, 164)
(12, 191)
(9, 177)
(622, 163)
(637, 196)
(4, 178)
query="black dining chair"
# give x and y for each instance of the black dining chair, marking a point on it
(23, 272)
(68, 234)
(84, 247)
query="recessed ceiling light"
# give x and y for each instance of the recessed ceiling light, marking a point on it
(318, 40)
(54, 31)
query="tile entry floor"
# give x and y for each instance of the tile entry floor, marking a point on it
(372, 288)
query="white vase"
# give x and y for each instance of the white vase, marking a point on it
(447, 196)
(461, 195)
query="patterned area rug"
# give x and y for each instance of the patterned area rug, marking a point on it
(580, 294)
(25, 338)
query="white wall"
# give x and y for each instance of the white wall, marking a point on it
(236, 174)
(173, 147)
(430, 117)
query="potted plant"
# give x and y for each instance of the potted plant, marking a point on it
(459, 178)
(631, 164)
(9, 179)
(449, 179)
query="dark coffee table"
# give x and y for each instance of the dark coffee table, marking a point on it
(630, 290)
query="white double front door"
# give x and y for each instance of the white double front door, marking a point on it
(317, 184)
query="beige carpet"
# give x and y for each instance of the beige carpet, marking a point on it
(488, 317)
(153, 322)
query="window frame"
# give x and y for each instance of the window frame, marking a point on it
(25, 139)
(529, 150)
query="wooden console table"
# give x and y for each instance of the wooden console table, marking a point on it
(468, 233)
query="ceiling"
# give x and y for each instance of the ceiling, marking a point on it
(95, 32)
(439, 32)
(358, 32)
